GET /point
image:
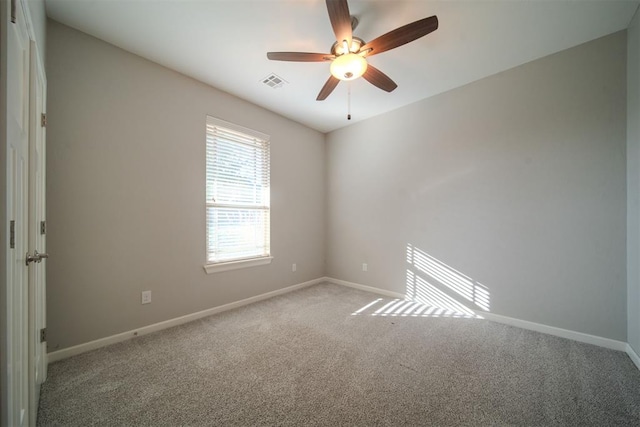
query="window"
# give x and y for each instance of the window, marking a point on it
(237, 202)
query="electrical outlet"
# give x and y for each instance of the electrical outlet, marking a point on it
(146, 297)
(294, 267)
(365, 267)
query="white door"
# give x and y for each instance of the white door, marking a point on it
(37, 232)
(18, 59)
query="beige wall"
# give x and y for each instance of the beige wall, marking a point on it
(516, 182)
(633, 183)
(125, 193)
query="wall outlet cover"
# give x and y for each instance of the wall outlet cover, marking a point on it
(146, 297)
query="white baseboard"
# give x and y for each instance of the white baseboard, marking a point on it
(558, 332)
(92, 345)
(524, 324)
(633, 356)
(365, 288)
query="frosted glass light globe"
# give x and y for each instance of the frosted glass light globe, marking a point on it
(348, 67)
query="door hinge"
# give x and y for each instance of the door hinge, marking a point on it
(13, 11)
(43, 334)
(43, 227)
(43, 120)
(12, 234)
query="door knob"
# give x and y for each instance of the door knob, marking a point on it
(31, 258)
(36, 257)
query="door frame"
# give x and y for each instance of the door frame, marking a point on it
(37, 234)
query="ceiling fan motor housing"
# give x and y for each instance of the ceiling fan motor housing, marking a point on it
(338, 48)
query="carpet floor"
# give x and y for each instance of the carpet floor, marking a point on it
(329, 355)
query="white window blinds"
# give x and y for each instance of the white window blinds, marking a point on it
(237, 193)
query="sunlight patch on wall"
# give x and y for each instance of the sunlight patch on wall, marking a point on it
(425, 273)
(418, 289)
(433, 289)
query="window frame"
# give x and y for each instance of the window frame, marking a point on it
(258, 139)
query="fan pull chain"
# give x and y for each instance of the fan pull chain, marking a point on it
(349, 101)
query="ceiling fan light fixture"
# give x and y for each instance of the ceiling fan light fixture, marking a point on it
(349, 53)
(348, 67)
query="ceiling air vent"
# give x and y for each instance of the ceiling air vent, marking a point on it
(274, 81)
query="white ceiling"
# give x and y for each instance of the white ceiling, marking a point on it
(224, 43)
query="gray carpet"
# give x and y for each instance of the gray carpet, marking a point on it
(307, 358)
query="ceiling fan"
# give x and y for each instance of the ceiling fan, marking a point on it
(348, 54)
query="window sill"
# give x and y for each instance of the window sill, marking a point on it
(234, 265)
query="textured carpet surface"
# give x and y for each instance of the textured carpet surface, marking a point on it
(320, 356)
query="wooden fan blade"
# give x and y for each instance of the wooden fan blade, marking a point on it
(300, 56)
(328, 87)
(379, 79)
(340, 20)
(402, 35)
